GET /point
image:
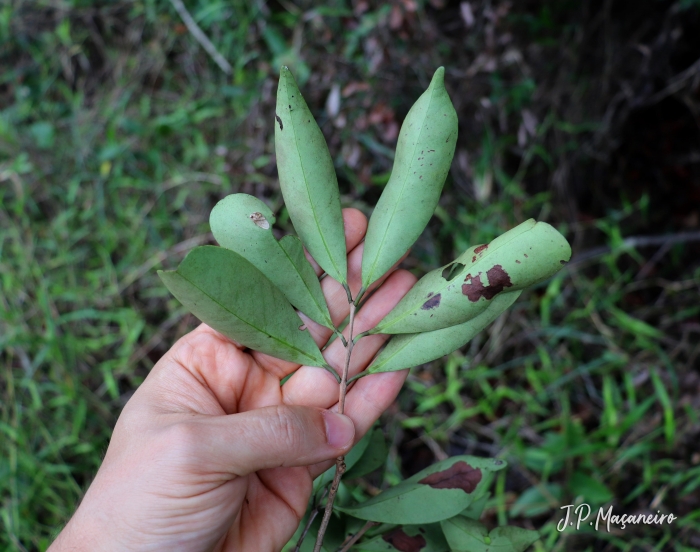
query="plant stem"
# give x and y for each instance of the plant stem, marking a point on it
(340, 461)
(312, 517)
(357, 536)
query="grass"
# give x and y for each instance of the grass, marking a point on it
(117, 136)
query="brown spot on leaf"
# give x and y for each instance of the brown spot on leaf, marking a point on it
(279, 121)
(563, 262)
(403, 542)
(474, 259)
(259, 220)
(480, 249)
(475, 290)
(432, 303)
(458, 476)
(517, 261)
(525, 255)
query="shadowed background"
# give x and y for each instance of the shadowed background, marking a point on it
(119, 133)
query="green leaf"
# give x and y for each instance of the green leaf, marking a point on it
(308, 180)
(226, 291)
(448, 487)
(476, 508)
(372, 458)
(456, 293)
(408, 350)
(590, 488)
(424, 154)
(243, 223)
(634, 325)
(538, 500)
(419, 538)
(468, 535)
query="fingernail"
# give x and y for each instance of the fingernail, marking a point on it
(340, 431)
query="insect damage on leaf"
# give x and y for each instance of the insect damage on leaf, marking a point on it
(432, 302)
(279, 121)
(259, 220)
(478, 250)
(450, 272)
(474, 289)
(403, 542)
(458, 476)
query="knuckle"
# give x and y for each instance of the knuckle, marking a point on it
(182, 439)
(286, 428)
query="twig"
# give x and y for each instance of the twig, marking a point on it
(635, 241)
(357, 536)
(676, 84)
(200, 37)
(340, 461)
(312, 517)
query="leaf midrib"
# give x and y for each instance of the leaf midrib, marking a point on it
(306, 185)
(408, 311)
(403, 189)
(215, 301)
(306, 285)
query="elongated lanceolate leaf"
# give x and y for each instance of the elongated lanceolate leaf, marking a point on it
(226, 291)
(409, 538)
(308, 180)
(448, 487)
(456, 293)
(468, 535)
(243, 223)
(408, 350)
(424, 154)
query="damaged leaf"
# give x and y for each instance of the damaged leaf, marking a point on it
(424, 154)
(523, 256)
(408, 350)
(448, 486)
(468, 535)
(228, 293)
(243, 223)
(409, 538)
(308, 180)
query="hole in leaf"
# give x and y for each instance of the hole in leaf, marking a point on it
(451, 271)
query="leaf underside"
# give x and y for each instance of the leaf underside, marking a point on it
(308, 180)
(424, 154)
(408, 350)
(523, 256)
(243, 223)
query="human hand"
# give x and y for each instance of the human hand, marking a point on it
(211, 453)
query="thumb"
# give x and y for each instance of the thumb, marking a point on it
(277, 436)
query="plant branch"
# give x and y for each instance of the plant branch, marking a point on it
(200, 37)
(340, 461)
(312, 517)
(345, 547)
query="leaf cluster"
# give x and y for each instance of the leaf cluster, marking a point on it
(248, 289)
(435, 510)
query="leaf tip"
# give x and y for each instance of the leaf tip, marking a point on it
(438, 80)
